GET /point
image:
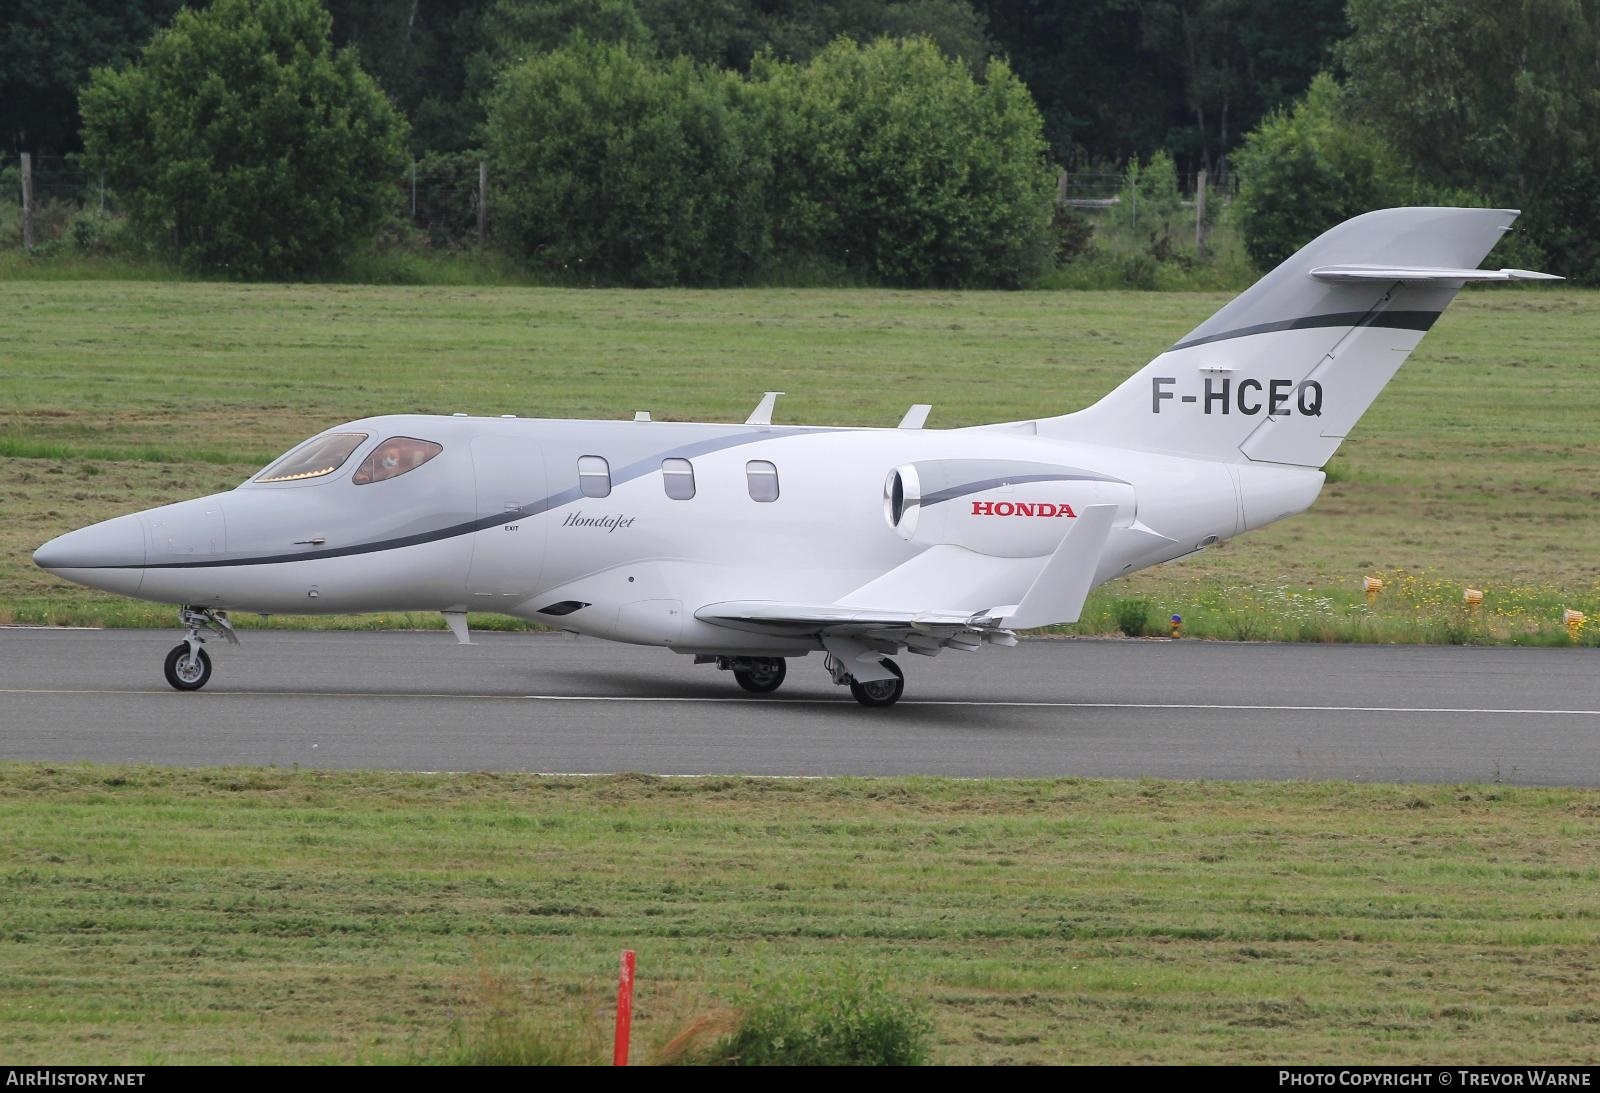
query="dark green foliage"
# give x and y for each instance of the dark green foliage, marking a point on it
(1500, 99)
(844, 1021)
(886, 160)
(895, 162)
(47, 50)
(1305, 171)
(1116, 79)
(615, 168)
(241, 142)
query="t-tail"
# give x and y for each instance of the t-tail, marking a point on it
(1283, 372)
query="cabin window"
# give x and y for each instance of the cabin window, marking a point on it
(395, 457)
(594, 476)
(315, 458)
(762, 478)
(677, 475)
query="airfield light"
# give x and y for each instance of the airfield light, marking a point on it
(1177, 626)
(1372, 586)
(1472, 597)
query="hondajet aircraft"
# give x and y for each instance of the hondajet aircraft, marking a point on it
(746, 545)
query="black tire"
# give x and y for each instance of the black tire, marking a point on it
(881, 692)
(186, 674)
(763, 676)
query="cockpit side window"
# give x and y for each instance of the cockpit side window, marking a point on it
(395, 457)
(316, 457)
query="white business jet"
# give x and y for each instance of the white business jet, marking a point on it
(746, 545)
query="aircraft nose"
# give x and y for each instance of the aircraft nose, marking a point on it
(108, 555)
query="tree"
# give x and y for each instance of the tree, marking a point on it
(243, 143)
(1502, 99)
(620, 168)
(892, 160)
(47, 50)
(1118, 79)
(1302, 172)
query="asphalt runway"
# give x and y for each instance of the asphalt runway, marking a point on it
(1127, 709)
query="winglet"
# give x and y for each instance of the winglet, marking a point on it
(1058, 592)
(762, 414)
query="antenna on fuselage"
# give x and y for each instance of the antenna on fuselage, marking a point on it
(762, 414)
(915, 417)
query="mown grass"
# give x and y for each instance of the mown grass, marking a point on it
(259, 915)
(1473, 468)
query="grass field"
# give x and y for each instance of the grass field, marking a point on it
(1476, 467)
(160, 916)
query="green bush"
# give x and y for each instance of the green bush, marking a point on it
(240, 142)
(612, 166)
(1133, 617)
(893, 160)
(1302, 172)
(839, 1022)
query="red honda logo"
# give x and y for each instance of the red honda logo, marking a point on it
(1021, 508)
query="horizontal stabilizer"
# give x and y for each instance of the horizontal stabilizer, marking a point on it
(1423, 274)
(1057, 594)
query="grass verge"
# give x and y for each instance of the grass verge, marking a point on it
(263, 915)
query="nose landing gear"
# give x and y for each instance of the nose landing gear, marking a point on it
(188, 667)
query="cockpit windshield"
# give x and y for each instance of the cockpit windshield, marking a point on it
(395, 457)
(316, 457)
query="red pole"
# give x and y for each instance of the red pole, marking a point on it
(619, 1053)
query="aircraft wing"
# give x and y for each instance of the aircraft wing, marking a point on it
(863, 633)
(862, 637)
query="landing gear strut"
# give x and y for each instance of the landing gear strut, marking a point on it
(874, 693)
(188, 666)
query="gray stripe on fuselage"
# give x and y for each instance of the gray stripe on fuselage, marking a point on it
(950, 493)
(567, 496)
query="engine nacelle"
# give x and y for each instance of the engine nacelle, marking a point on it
(1002, 508)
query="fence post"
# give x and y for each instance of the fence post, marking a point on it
(483, 199)
(1200, 213)
(27, 201)
(413, 191)
(1061, 187)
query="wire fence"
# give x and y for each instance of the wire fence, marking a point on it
(442, 200)
(1103, 189)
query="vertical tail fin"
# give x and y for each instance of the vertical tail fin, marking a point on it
(1283, 372)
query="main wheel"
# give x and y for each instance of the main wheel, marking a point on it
(185, 672)
(880, 692)
(762, 676)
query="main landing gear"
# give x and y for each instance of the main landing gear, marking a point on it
(758, 675)
(763, 675)
(188, 667)
(876, 692)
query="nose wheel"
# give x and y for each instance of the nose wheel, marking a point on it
(188, 669)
